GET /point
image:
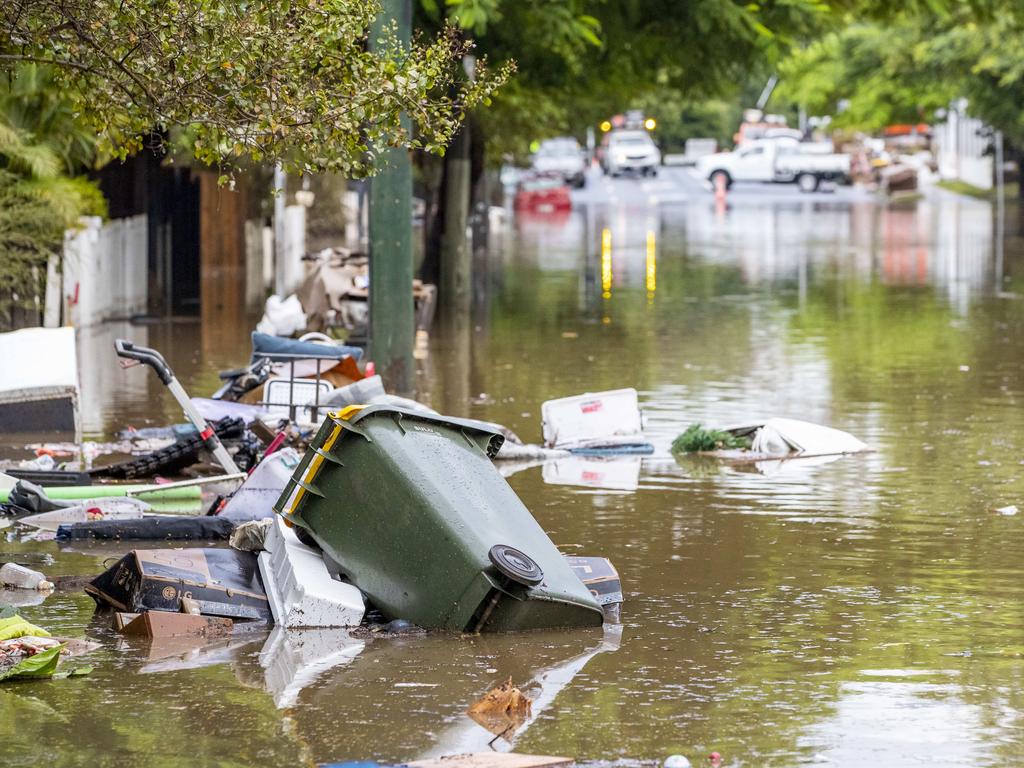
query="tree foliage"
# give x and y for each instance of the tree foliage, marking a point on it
(580, 61)
(42, 146)
(303, 82)
(906, 65)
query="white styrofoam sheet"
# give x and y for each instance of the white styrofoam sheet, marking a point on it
(300, 589)
(612, 416)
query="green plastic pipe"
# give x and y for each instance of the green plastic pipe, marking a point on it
(148, 492)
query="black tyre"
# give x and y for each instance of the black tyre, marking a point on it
(305, 537)
(714, 177)
(516, 565)
(808, 182)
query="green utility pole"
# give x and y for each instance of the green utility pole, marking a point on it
(392, 323)
(456, 259)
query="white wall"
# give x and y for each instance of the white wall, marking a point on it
(960, 146)
(294, 248)
(977, 171)
(259, 250)
(104, 270)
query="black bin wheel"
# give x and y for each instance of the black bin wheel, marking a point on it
(517, 566)
(306, 537)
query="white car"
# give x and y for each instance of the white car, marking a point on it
(562, 157)
(630, 151)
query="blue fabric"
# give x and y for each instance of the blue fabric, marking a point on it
(265, 345)
(625, 449)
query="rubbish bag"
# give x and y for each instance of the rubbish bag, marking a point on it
(357, 393)
(15, 626)
(251, 536)
(29, 498)
(156, 528)
(282, 317)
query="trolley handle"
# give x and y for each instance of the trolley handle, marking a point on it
(129, 351)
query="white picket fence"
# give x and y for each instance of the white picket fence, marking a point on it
(960, 146)
(104, 271)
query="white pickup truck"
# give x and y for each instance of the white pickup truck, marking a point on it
(780, 160)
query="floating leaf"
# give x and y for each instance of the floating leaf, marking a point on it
(42, 664)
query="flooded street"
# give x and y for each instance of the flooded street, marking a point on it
(867, 610)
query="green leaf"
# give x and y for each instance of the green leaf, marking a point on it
(76, 672)
(43, 664)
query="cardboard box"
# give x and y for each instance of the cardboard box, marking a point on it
(224, 582)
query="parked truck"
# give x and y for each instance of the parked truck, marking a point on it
(779, 160)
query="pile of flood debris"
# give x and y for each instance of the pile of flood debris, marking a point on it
(338, 504)
(387, 511)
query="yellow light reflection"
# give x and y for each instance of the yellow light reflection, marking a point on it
(652, 264)
(606, 263)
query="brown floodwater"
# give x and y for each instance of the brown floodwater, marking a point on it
(867, 610)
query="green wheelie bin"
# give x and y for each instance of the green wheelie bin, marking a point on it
(412, 510)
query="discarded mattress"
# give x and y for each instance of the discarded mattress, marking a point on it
(156, 528)
(224, 582)
(301, 591)
(599, 424)
(39, 390)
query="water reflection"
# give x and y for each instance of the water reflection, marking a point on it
(543, 687)
(867, 610)
(616, 474)
(294, 659)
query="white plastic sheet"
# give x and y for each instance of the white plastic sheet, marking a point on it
(781, 437)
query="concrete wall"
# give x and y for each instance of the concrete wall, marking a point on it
(104, 271)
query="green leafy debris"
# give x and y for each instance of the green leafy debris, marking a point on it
(697, 439)
(42, 664)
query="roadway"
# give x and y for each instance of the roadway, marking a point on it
(675, 184)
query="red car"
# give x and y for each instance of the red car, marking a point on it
(542, 194)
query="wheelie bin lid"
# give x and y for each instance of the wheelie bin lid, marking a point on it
(349, 419)
(491, 439)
